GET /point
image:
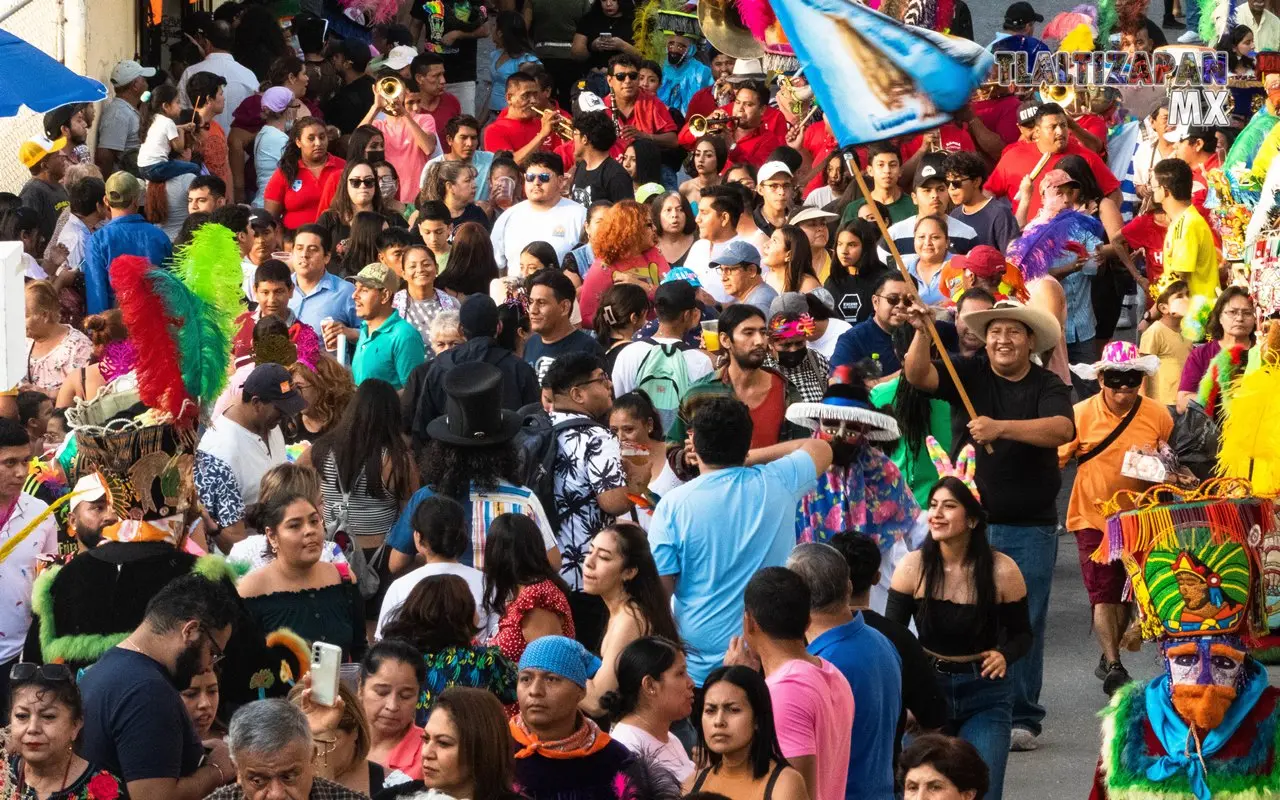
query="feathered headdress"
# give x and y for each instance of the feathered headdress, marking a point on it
(964, 468)
(1251, 428)
(1043, 243)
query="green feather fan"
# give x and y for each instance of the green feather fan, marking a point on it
(210, 267)
(1208, 25)
(203, 347)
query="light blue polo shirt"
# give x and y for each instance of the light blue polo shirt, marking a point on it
(332, 297)
(390, 353)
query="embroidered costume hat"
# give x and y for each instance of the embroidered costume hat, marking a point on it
(1118, 357)
(844, 403)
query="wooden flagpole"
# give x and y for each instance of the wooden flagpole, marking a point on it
(910, 281)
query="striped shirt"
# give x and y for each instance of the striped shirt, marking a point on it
(961, 234)
(483, 508)
(366, 515)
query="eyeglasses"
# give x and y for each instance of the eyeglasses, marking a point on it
(622, 77)
(1238, 313)
(538, 177)
(601, 379)
(26, 671)
(958, 182)
(367, 183)
(218, 654)
(895, 299)
(1127, 379)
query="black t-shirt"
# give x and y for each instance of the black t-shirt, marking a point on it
(541, 356)
(596, 22)
(461, 15)
(1019, 482)
(47, 200)
(135, 725)
(609, 181)
(471, 213)
(350, 104)
(853, 294)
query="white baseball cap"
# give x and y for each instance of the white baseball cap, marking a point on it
(771, 168)
(400, 57)
(88, 489)
(127, 72)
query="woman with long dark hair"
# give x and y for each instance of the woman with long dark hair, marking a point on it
(643, 162)
(367, 142)
(259, 40)
(738, 745)
(357, 192)
(471, 266)
(522, 590)
(704, 163)
(620, 313)
(512, 47)
(638, 426)
(620, 570)
(789, 258)
(654, 691)
(855, 270)
(295, 193)
(969, 604)
(391, 677)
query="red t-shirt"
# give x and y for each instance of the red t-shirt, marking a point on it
(819, 142)
(771, 120)
(766, 418)
(506, 133)
(1094, 124)
(1019, 159)
(648, 115)
(1144, 233)
(954, 139)
(304, 199)
(446, 109)
(703, 102)
(754, 148)
(1000, 115)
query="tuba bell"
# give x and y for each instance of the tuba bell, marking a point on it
(1061, 94)
(723, 27)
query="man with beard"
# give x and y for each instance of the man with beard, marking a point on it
(135, 724)
(69, 123)
(871, 341)
(91, 512)
(1204, 728)
(684, 75)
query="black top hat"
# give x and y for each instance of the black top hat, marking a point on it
(473, 413)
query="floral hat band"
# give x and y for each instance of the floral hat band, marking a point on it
(790, 326)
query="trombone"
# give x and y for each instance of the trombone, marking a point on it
(700, 126)
(563, 126)
(390, 90)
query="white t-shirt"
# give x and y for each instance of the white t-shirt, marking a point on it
(627, 367)
(175, 193)
(75, 237)
(699, 260)
(241, 82)
(560, 226)
(402, 587)
(155, 148)
(826, 343)
(669, 755)
(18, 572)
(244, 452)
(820, 197)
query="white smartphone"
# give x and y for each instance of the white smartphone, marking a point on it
(326, 661)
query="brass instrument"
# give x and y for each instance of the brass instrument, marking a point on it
(805, 119)
(563, 126)
(700, 126)
(390, 90)
(1062, 95)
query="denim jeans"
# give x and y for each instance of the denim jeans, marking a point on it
(166, 170)
(980, 712)
(1034, 548)
(1083, 353)
(1192, 11)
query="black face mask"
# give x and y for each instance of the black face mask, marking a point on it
(374, 156)
(792, 358)
(676, 60)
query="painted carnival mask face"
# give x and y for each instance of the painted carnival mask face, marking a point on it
(1204, 674)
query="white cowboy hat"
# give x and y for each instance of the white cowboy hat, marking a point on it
(1043, 325)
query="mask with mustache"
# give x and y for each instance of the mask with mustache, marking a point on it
(676, 59)
(1203, 706)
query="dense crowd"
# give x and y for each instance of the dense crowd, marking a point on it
(620, 443)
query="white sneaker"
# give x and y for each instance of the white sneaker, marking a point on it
(1022, 740)
(1190, 37)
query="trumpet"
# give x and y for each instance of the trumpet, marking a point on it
(390, 90)
(564, 125)
(700, 126)
(1062, 95)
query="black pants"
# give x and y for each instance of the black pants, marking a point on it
(4, 687)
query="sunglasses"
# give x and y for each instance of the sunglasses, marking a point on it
(1121, 380)
(622, 77)
(537, 177)
(956, 184)
(895, 299)
(26, 671)
(367, 183)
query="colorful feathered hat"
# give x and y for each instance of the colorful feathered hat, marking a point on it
(964, 469)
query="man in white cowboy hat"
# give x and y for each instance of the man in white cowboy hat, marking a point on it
(1108, 425)
(1024, 414)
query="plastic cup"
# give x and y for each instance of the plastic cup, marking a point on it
(349, 676)
(711, 335)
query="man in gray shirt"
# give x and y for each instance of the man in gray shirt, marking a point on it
(118, 129)
(739, 266)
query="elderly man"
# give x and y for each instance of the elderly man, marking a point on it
(559, 751)
(1023, 416)
(1108, 425)
(272, 750)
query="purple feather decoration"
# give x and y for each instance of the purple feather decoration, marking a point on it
(1043, 243)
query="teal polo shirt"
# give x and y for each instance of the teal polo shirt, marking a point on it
(389, 354)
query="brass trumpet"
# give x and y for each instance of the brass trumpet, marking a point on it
(700, 126)
(1062, 95)
(564, 125)
(390, 90)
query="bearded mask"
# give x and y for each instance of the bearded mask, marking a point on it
(1204, 676)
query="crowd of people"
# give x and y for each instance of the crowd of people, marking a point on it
(620, 444)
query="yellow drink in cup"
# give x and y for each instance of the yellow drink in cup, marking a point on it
(711, 335)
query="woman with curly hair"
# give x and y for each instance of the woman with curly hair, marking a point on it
(113, 356)
(328, 388)
(626, 251)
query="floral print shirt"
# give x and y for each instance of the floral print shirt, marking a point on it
(48, 371)
(477, 667)
(870, 495)
(589, 463)
(93, 784)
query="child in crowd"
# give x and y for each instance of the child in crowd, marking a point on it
(1164, 340)
(163, 135)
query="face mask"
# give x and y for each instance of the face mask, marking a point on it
(792, 358)
(387, 186)
(374, 156)
(676, 59)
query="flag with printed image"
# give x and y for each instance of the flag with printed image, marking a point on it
(874, 77)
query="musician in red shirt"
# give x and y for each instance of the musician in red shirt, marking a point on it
(639, 114)
(705, 101)
(519, 128)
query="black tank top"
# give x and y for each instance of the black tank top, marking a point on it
(768, 788)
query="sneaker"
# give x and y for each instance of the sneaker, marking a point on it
(1172, 23)
(1190, 37)
(1022, 740)
(1100, 671)
(1117, 676)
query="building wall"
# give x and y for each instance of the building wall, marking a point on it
(88, 36)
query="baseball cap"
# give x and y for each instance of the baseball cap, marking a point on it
(399, 57)
(737, 252)
(789, 304)
(128, 71)
(1027, 111)
(1019, 14)
(811, 215)
(932, 167)
(683, 274)
(772, 169)
(37, 149)
(478, 316)
(648, 191)
(55, 119)
(276, 99)
(89, 489)
(377, 275)
(1184, 132)
(123, 190)
(983, 261)
(261, 218)
(272, 383)
(675, 296)
(1055, 178)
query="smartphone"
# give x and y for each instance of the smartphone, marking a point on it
(326, 660)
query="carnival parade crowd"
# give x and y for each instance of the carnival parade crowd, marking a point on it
(574, 391)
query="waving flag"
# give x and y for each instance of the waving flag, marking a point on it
(874, 77)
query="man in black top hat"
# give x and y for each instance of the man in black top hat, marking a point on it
(424, 395)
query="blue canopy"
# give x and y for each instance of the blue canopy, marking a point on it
(29, 77)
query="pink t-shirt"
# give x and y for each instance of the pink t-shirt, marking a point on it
(404, 154)
(813, 714)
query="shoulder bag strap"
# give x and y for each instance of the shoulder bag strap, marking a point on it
(1111, 437)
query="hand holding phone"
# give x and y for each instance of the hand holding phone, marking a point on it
(325, 661)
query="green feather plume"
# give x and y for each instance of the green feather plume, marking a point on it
(210, 266)
(1208, 25)
(204, 349)
(1106, 23)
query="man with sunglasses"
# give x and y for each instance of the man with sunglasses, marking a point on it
(990, 217)
(1109, 425)
(544, 216)
(638, 114)
(870, 342)
(135, 724)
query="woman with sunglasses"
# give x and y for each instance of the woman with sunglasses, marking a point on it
(358, 191)
(45, 719)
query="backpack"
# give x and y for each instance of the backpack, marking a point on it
(663, 375)
(537, 445)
